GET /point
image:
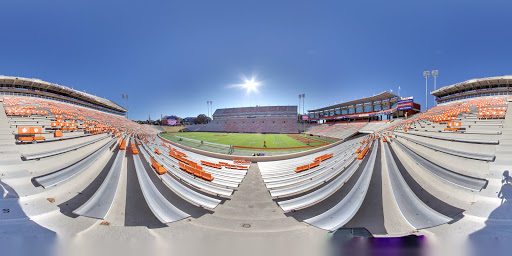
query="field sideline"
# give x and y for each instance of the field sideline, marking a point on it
(253, 141)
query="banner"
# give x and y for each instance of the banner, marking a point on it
(405, 104)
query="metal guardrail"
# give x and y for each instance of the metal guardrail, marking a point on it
(60, 150)
(216, 173)
(291, 174)
(62, 175)
(190, 195)
(309, 176)
(306, 186)
(345, 210)
(288, 171)
(457, 179)
(477, 141)
(193, 182)
(223, 180)
(322, 193)
(67, 137)
(416, 212)
(184, 192)
(162, 209)
(100, 203)
(270, 172)
(476, 156)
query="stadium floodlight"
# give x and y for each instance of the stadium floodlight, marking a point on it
(303, 110)
(298, 109)
(435, 74)
(426, 74)
(208, 107)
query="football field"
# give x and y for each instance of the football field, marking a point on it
(253, 141)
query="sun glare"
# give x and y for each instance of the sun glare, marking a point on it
(251, 85)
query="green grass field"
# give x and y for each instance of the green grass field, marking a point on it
(273, 141)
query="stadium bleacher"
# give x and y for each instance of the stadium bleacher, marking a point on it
(271, 119)
(339, 130)
(411, 158)
(86, 136)
(428, 174)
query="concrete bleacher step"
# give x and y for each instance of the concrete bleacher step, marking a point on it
(446, 147)
(6, 136)
(10, 157)
(250, 205)
(98, 206)
(9, 203)
(456, 164)
(452, 145)
(431, 184)
(371, 215)
(339, 208)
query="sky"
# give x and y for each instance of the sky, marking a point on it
(171, 57)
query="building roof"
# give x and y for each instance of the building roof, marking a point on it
(472, 83)
(379, 97)
(60, 89)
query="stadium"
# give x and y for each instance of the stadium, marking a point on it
(376, 167)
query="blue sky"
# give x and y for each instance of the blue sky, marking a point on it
(173, 56)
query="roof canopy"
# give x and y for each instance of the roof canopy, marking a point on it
(60, 89)
(379, 97)
(472, 83)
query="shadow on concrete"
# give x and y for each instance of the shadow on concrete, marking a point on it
(429, 199)
(137, 211)
(333, 199)
(18, 234)
(72, 204)
(495, 238)
(176, 200)
(371, 213)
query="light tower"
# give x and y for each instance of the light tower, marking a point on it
(127, 114)
(208, 104)
(303, 110)
(435, 74)
(298, 109)
(211, 109)
(426, 74)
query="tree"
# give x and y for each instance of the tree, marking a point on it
(202, 119)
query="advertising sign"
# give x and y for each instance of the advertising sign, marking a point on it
(405, 104)
(305, 117)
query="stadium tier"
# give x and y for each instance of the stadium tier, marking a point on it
(77, 172)
(383, 106)
(268, 119)
(481, 87)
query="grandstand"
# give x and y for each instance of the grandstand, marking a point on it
(260, 119)
(73, 167)
(383, 106)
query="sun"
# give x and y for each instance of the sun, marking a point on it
(251, 85)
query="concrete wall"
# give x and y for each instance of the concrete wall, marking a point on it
(253, 158)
